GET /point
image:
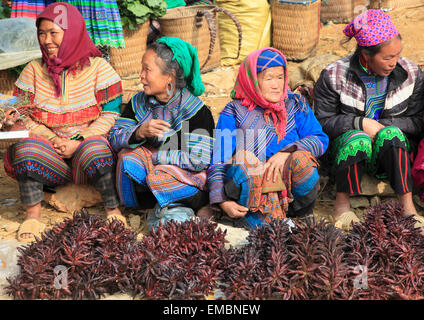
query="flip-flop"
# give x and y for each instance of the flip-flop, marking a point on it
(30, 226)
(345, 220)
(119, 217)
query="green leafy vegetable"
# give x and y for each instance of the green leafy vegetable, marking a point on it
(137, 12)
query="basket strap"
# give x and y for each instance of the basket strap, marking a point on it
(238, 25)
(212, 30)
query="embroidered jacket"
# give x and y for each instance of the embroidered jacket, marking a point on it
(90, 101)
(187, 145)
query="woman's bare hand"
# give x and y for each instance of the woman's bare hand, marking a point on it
(371, 127)
(152, 128)
(66, 147)
(275, 165)
(233, 209)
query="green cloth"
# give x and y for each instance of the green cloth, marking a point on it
(186, 56)
(174, 3)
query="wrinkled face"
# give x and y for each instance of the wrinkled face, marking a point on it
(385, 60)
(271, 83)
(154, 81)
(50, 36)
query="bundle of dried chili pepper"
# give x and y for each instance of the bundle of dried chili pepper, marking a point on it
(302, 262)
(385, 255)
(180, 260)
(11, 115)
(93, 254)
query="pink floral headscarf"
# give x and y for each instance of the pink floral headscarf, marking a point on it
(371, 28)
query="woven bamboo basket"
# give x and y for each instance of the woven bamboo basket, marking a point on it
(7, 82)
(6, 143)
(395, 4)
(127, 61)
(337, 11)
(296, 27)
(198, 26)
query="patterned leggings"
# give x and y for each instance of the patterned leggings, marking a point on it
(353, 153)
(35, 164)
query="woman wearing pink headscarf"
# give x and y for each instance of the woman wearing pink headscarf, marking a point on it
(370, 105)
(267, 144)
(78, 97)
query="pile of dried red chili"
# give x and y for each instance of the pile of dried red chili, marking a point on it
(380, 258)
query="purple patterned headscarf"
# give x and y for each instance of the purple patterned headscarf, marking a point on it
(371, 28)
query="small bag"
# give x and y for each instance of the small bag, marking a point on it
(163, 215)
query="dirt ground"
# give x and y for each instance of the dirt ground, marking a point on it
(219, 84)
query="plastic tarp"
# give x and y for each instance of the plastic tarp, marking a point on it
(18, 42)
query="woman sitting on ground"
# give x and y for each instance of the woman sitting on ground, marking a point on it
(164, 136)
(78, 97)
(267, 142)
(370, 105)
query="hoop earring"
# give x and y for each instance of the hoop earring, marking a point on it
(169, 91)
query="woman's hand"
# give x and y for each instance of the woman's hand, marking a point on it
(275, 165)
(233, 209)
(371, 127)
(65, 147)
(152, 128)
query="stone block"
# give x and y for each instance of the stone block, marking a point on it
(71, 197)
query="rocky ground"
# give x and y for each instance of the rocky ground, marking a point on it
(219, 84)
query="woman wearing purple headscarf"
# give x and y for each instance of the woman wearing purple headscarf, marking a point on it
(370, 105)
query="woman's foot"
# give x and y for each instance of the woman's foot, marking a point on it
(343, 215)
(341, 205)
(407, 203)
(205, 212)
(115, 213)
(32, 226)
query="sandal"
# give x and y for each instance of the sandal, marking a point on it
(119, 217)
(345, 220)
(419, 223)
(30, 226)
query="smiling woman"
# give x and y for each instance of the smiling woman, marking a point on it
(50, 37)
(77, 97)
(165, 134)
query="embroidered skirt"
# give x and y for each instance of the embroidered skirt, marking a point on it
(103, 21)
(170, 185)
(28, 8)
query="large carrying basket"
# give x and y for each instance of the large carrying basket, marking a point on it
(337, 11)
(127, 61)
(342, 11)
(395, 4)
(198, 26)
(296, 26)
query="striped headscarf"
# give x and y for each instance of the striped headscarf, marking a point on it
(247, 89)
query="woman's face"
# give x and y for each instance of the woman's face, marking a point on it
(152, 78)
(271, 83)
(386, 59)
(50, 36)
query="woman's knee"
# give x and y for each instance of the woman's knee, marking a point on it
(92, 154)
(303, 168)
